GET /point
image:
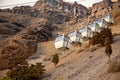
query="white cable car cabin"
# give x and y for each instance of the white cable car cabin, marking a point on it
(62, 41)
(94, 27)
(108, 18)
(102, 23)
(86, 32)
(75, 36)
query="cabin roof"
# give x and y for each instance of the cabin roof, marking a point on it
(91, 24)
(104, 21)
(106, 15)
(60, 37)
(72, 31)
(98, 20)
(75, 31)
(97, 24)
(83, 29)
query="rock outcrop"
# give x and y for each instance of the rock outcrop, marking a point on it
(39, 31)
(26, 10)
(56, 11)
(23, 10)
(101, 8)
(74, 9)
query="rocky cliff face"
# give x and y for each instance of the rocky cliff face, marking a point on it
(69, 8)
(26, 10)
(56, 11)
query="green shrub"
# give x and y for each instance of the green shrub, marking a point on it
(55, 59)
(5, 78)
(25, 72)
(107, 41)
(108, 48)
(100, 38)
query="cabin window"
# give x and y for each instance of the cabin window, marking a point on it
(105, 17)
(104, 22)
(89, 30)
(98, 21)
(59, 38)
(78, 34)
(65, 39)
(83, 29)
(91, 25)
(97, 25)
(72, 34)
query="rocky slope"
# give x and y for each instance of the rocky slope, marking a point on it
(19, 36)
(84, 65)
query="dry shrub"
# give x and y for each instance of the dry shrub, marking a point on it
(24, 71)
(17, 51)
(80, 50)
(25, 44)
(114, 67)
(117, 20)
(55, 59)
(21, 46)
(100, 38)
(3, 63)
(3, 20)
(93, 48)
(5, 78)
(62, 78)
(85, 44)
(116, 13)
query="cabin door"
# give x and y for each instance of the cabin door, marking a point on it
(66, 42)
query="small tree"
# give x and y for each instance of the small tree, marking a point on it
(100, 38)
(55, 59)
(107, 41)
(108, 48)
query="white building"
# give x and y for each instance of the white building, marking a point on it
(86, 32)
(62, 41)
(94, 27)
(102, 23)
(108, 18)
(75, 36)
